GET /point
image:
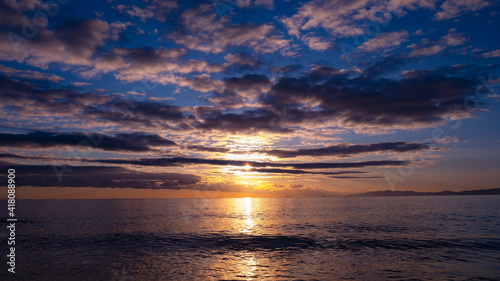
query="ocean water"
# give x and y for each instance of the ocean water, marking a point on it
(370, 238)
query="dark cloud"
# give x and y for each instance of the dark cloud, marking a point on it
(289, 91)
(180, 161)
(301, 172)
(361, 164)
(33, 101)
(127, 111)
(208, 149)
(18, 156)
(97, 176)
(74, 42)
(247, 121)
(383, 66)
(286, 69)
(354, 177)
(405, 103)
(147, 63)
(248, 85)
(346, 150)
(237, 92)
(134, 142)
(416, 100)
(320, 72)
(11, 11)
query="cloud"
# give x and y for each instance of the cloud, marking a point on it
(316, 43)
(181, 161)
(247, 3)
(33, 104)
(72, 43)
(249, 87)
(384, 41)
(29, 74)
(355, 177)
(320, 72)
(11, 12)
(346, 18)
(208, 149)
(201, 83)
(142, 113)
(101, 177)
(384, 65)
(117, 28)
(80, 84)
(204, 31)
(243, 60)
(427, 51)
(253, 103)
(348, 101)
(147, 63)
(157, 9)
(76, 43)
(247, 122)
(348, 149)
(419, 32)
(300, 172)
(133, 142)
(454, 8)
(447, 140)
(492, 54)
(453, 38)
(19, 156)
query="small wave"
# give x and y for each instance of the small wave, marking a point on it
(224, 241)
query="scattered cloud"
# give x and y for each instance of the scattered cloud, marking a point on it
(316, 43)
(230, 89)
(453, 38)
(346, 18)
(384, 41)
(204, 31)
(492, 54)
(80, 84)
(29, 74)
(454, 8)
(244, 60)
(157, 9)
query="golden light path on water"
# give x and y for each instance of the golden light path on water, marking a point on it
(249, 262)
(247, 203)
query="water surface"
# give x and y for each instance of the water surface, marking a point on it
(370, 238)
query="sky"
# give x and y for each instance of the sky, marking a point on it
(263, 98)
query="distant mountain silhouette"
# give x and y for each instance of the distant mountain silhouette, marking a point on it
(493, 191)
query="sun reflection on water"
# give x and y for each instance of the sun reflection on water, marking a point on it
(248, 265)
(248, 268)
(248, 216)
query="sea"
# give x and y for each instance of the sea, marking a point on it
(327, 238)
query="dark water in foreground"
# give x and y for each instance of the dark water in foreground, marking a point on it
(377, 238)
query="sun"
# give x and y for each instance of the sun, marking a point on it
(248, 167)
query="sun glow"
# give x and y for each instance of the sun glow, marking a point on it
(246, 150)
